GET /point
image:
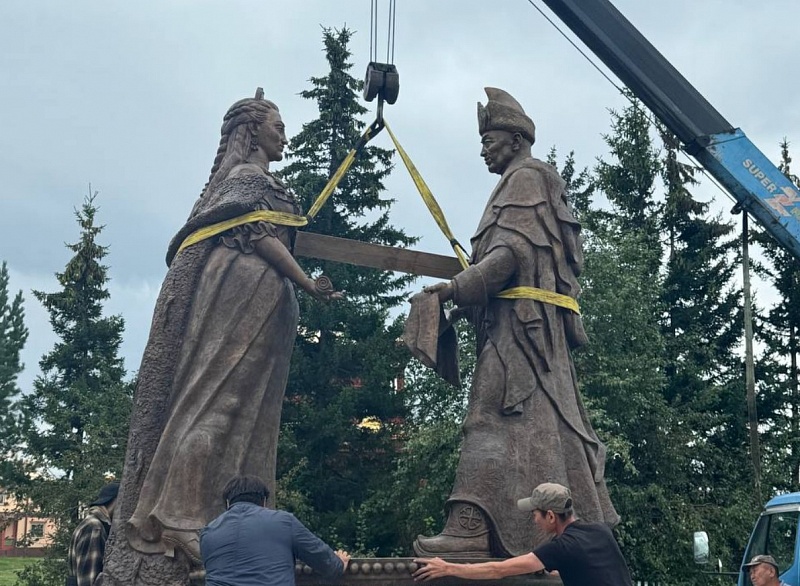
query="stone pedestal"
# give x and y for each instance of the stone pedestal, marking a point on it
(397, 572)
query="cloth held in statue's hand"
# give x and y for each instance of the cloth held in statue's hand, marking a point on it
(431, 338)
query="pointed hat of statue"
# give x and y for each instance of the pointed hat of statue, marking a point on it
(503, 112)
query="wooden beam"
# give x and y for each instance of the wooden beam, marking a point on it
(364, 254)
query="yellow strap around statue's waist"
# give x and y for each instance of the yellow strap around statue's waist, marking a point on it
(543, 295)
(281, 218)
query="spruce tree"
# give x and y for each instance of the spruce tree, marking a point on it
(580, 187)
(703, 318)
(75, 421)
(621, 370)
(343, 412)
(779, 397)
(13, 335)
(628, 180)
(702, 327)
(409, 502)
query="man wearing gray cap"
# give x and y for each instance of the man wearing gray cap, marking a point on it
(582, 553)
(763, 570)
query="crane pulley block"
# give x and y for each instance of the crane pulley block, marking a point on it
(382, 81)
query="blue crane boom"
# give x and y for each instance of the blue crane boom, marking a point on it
(724, 151)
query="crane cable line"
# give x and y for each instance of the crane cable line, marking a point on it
(647, 113)
(577, 48)
(390, 33)
(373, 21)
(749, 382)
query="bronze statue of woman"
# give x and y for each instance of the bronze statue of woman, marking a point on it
(208, 400)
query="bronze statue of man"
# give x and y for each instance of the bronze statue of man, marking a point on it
(526, 423)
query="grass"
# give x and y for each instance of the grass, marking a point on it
(9, 568)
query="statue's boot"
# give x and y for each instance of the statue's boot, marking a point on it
(465, 535)
(187, 541)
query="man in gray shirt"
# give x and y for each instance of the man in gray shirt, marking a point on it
(250, 544)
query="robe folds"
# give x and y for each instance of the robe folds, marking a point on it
(525, 422)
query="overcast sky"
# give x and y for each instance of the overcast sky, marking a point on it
(129, 96)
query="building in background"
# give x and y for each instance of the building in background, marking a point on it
(22, 533)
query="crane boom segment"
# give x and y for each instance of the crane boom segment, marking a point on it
(725, 152)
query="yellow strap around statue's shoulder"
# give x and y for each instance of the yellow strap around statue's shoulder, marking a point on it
(271, 216)
(280, 218)
(541, 295)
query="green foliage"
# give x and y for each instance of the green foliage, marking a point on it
(779, 329)
(430, 399)
(47, 571)
(581, 188)
(703, 320)
(628, 180)
(620, 371)
(13, 335)
(702, 327)
(343, 415)
(661, 375)
(412, 501)
(76, 419)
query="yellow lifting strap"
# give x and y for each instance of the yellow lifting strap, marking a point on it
(429, 200)
(281, 218)
(270, 216)
(513, 293)
(542, 295)
(287, 219)
(337, 176)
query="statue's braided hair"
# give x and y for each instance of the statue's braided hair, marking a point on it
(239, 128)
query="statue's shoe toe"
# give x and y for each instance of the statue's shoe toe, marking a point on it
(187, 541)
(453, 546)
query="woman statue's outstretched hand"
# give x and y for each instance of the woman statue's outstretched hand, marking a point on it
(322, 288)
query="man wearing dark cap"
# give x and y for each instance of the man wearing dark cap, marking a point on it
(525, 420)
(88, 543)
(582, 553)
(763, 570)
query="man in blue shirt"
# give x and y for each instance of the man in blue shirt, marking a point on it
(250, 544)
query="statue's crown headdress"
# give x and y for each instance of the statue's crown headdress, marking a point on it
(503, 112)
